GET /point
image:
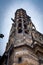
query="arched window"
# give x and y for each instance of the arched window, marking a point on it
(19, 26)
(25, 27)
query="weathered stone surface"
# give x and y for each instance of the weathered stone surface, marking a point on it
(25, 44)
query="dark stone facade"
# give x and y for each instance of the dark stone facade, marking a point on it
(25, 44)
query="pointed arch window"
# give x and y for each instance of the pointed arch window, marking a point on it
(19, 26)
(25, 27)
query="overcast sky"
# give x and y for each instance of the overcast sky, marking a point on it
(34, 9)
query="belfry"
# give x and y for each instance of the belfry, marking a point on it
(25, 44)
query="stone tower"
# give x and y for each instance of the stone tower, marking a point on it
(25, 44)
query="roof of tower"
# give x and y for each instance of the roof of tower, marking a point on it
(21, 13)
(20, 10)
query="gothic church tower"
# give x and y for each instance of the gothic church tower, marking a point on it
(25, 44)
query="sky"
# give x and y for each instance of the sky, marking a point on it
(34, 9)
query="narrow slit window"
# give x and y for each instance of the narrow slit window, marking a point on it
(19, 60)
